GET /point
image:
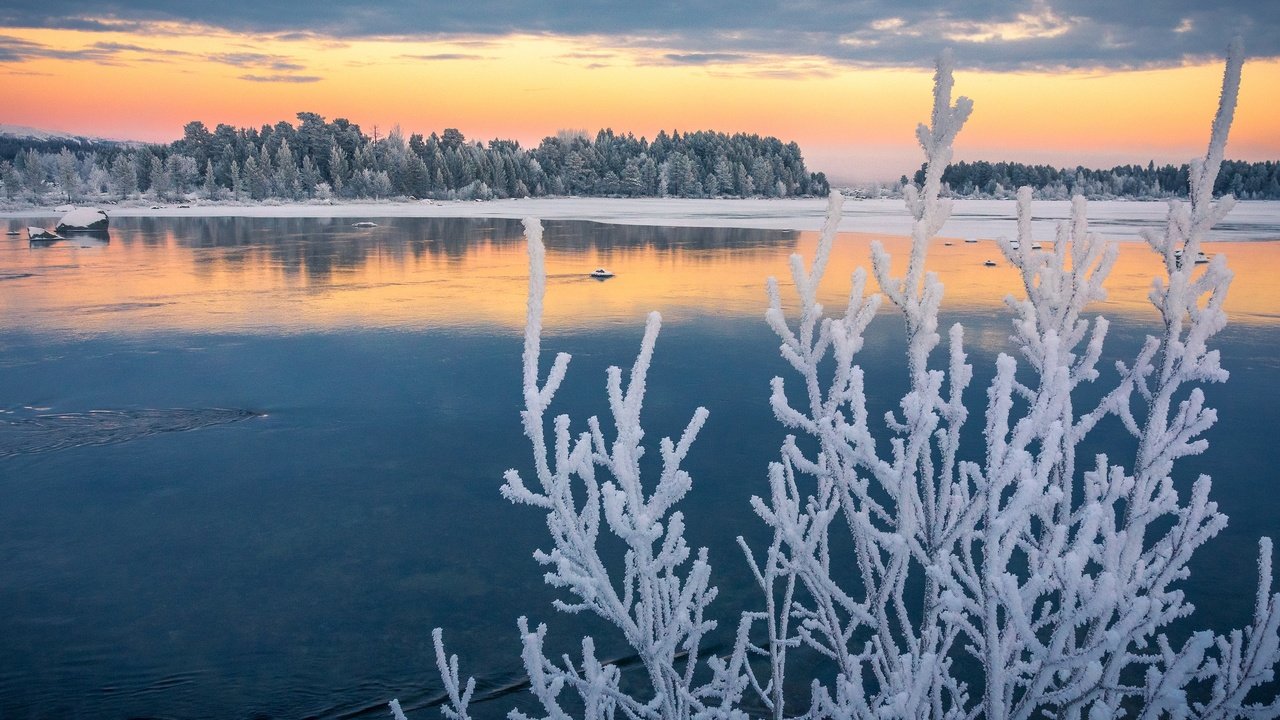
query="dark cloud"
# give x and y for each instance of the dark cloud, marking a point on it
(444, 56)
(281, 78)
(807, 72)
(702, 58)
(93, 24)
(17, 50)
(255, 60)
(1024, 35)
(299, 35)
(125, 47)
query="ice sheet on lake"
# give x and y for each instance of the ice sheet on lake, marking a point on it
(987, 219)
(23, 434)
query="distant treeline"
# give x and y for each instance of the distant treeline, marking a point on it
(1245, 180)
(322, 159)
(11, 147)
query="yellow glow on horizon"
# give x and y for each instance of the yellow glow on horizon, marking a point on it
(527, 87)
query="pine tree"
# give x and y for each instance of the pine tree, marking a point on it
(287, 182)
(631, 182)
(161, 180)
(338, 168)
(237, 181)
(309, 176)
(183, 173)
(723, 179)
(67, 174)
(762, 176)
(266, 161)
(124, 178)
(33, 173)
(11, 178)
(210, 187)
(255, 179)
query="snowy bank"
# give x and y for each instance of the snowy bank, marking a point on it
(1257, 220)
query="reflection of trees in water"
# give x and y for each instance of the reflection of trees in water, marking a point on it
(320, 247)
(581, 235)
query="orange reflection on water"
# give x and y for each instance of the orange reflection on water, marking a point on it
(971, 285)
(321, 276)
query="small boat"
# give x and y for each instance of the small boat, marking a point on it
(365, 224)
(601, 273)
(990, 263)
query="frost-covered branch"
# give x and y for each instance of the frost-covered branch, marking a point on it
(658, 597)
(1056, 583)
(1019, 580)
(889, 651)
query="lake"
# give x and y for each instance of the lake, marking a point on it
(247, 464)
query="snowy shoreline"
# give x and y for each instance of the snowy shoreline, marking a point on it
(1253, 220)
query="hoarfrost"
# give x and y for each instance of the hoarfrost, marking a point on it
(1049, 576)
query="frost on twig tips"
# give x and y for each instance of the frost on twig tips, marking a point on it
(1012, 581)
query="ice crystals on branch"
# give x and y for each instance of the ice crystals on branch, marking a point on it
(660, 602)
(1021, 580)
(1051, 585)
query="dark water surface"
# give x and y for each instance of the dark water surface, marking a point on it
(246, 465)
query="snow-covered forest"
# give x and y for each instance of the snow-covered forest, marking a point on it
(1243, 180)
(1026, 578)
(319, 159)
(336, 159)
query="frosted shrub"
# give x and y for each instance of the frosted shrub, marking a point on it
(1023, 581)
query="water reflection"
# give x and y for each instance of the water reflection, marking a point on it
(163, 553)
(77, 238)
(302, 274)
(295, 275)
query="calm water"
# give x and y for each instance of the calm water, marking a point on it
(247, 465)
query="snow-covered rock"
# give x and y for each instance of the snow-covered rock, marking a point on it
(83, 219)
(39, 233)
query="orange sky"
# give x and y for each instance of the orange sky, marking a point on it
(852, 123)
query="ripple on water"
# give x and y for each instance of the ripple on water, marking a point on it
(46, 432)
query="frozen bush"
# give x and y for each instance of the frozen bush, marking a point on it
(1049, 577)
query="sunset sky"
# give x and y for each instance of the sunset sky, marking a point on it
(1093, 83)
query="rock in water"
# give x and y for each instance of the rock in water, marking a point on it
(83, 220)
(39, 233)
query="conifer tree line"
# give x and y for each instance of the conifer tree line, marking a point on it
(1244, 180)
(335, 159)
